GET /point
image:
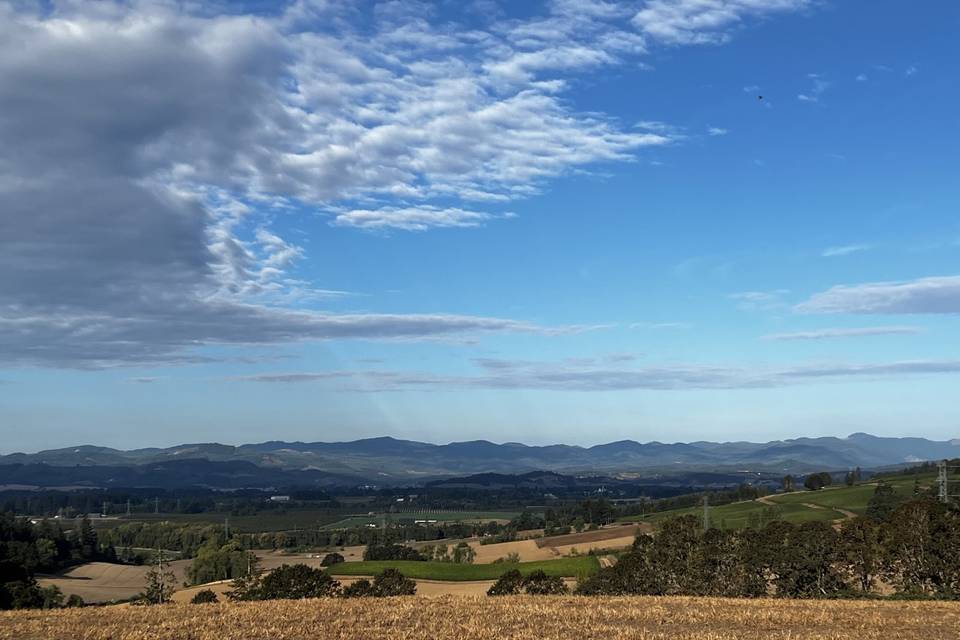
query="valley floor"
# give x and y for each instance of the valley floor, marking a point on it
(483, 618)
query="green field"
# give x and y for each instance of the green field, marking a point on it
(439, 516)
(792, 507)
(564, 567)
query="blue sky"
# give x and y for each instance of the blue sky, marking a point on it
(573, 223)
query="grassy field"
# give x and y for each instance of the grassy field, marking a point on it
(798, 506)
(439, 516)
(484, 618)
(564, 567)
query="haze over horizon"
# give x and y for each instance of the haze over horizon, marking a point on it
(568, 221)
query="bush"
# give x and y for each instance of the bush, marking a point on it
(75, 601)
(509, 584)
(331, 559)
(360, 589)
(204, 597)
(393, 583)
(287, 582)
(539, 583)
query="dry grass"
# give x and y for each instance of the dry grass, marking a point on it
(590, 537)
(520, 618)
(104, 581)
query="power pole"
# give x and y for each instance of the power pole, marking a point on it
(128, 506)
(160, 573)
(942, 493)
(156, 505)
(706, 512)
(226, 527)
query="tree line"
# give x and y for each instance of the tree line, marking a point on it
(913, 549)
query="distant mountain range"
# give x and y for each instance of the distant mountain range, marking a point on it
(391, 461)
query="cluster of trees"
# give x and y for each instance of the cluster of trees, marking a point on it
(215, 561)
(461, 553)
(299, 581)
(27, 549)
(817, 481)
(536, 583)
(392, 552)
(915, 549)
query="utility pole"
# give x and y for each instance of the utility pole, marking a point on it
(706, 512)
(226, 527)
(942, 493)
(103, 512)
(128, 506)
(156, 505)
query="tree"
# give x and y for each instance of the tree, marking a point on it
(508, 584)
(75, 601)
(362, 588)
(883, 502)
(331, 559)
(391, 552)
(292, 582)
(206, 596)
(788, 483)
(463, 553)
(393, 583)
(817, 481)
(221, 562)
(860, 552)
(538, 583)
(159, 588)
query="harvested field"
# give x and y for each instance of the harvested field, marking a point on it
(106, 582)
(517, 617)
(590, 537)
(528, 550)
(585, 547)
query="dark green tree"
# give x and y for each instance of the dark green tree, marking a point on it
(206, 596)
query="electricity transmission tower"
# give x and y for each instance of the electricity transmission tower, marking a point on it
(943, 481)
(706, 512)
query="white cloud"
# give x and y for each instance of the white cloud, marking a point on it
(411, 218)
(858, 332)
(760, 300)
(936, 295)
(150, 145)
(862, 77)
(717, 131)
(844, 250)
(912, 69)
(703, 21)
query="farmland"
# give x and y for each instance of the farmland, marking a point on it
(564, 567)
(376, 519)
(481, 618)
(826, 505)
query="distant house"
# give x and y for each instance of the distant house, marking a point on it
(279, 498)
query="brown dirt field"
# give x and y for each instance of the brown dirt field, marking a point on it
(528, 550)
(105, 581)
(517, 618)
(589, 537)
(612, 543)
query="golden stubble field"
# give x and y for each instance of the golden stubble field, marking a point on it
(519, 617)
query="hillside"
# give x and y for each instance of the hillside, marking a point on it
(828, 504)
(393, 461)
(483, 618)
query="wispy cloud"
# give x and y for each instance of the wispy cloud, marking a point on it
(717, 131)
(858, 332)
(818, 86)
(686, 22)
(661, 325)
(419, 218)
(936, 295)
(844, 250)
(760, 300)
(590, 375)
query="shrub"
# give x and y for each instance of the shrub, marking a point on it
(393, 583)
(75, 601)
(287, 582)
(204, 597)
(508, 584)
(360, 589)
(539, 583)
(331, 559)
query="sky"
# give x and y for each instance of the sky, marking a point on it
(563, 221)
